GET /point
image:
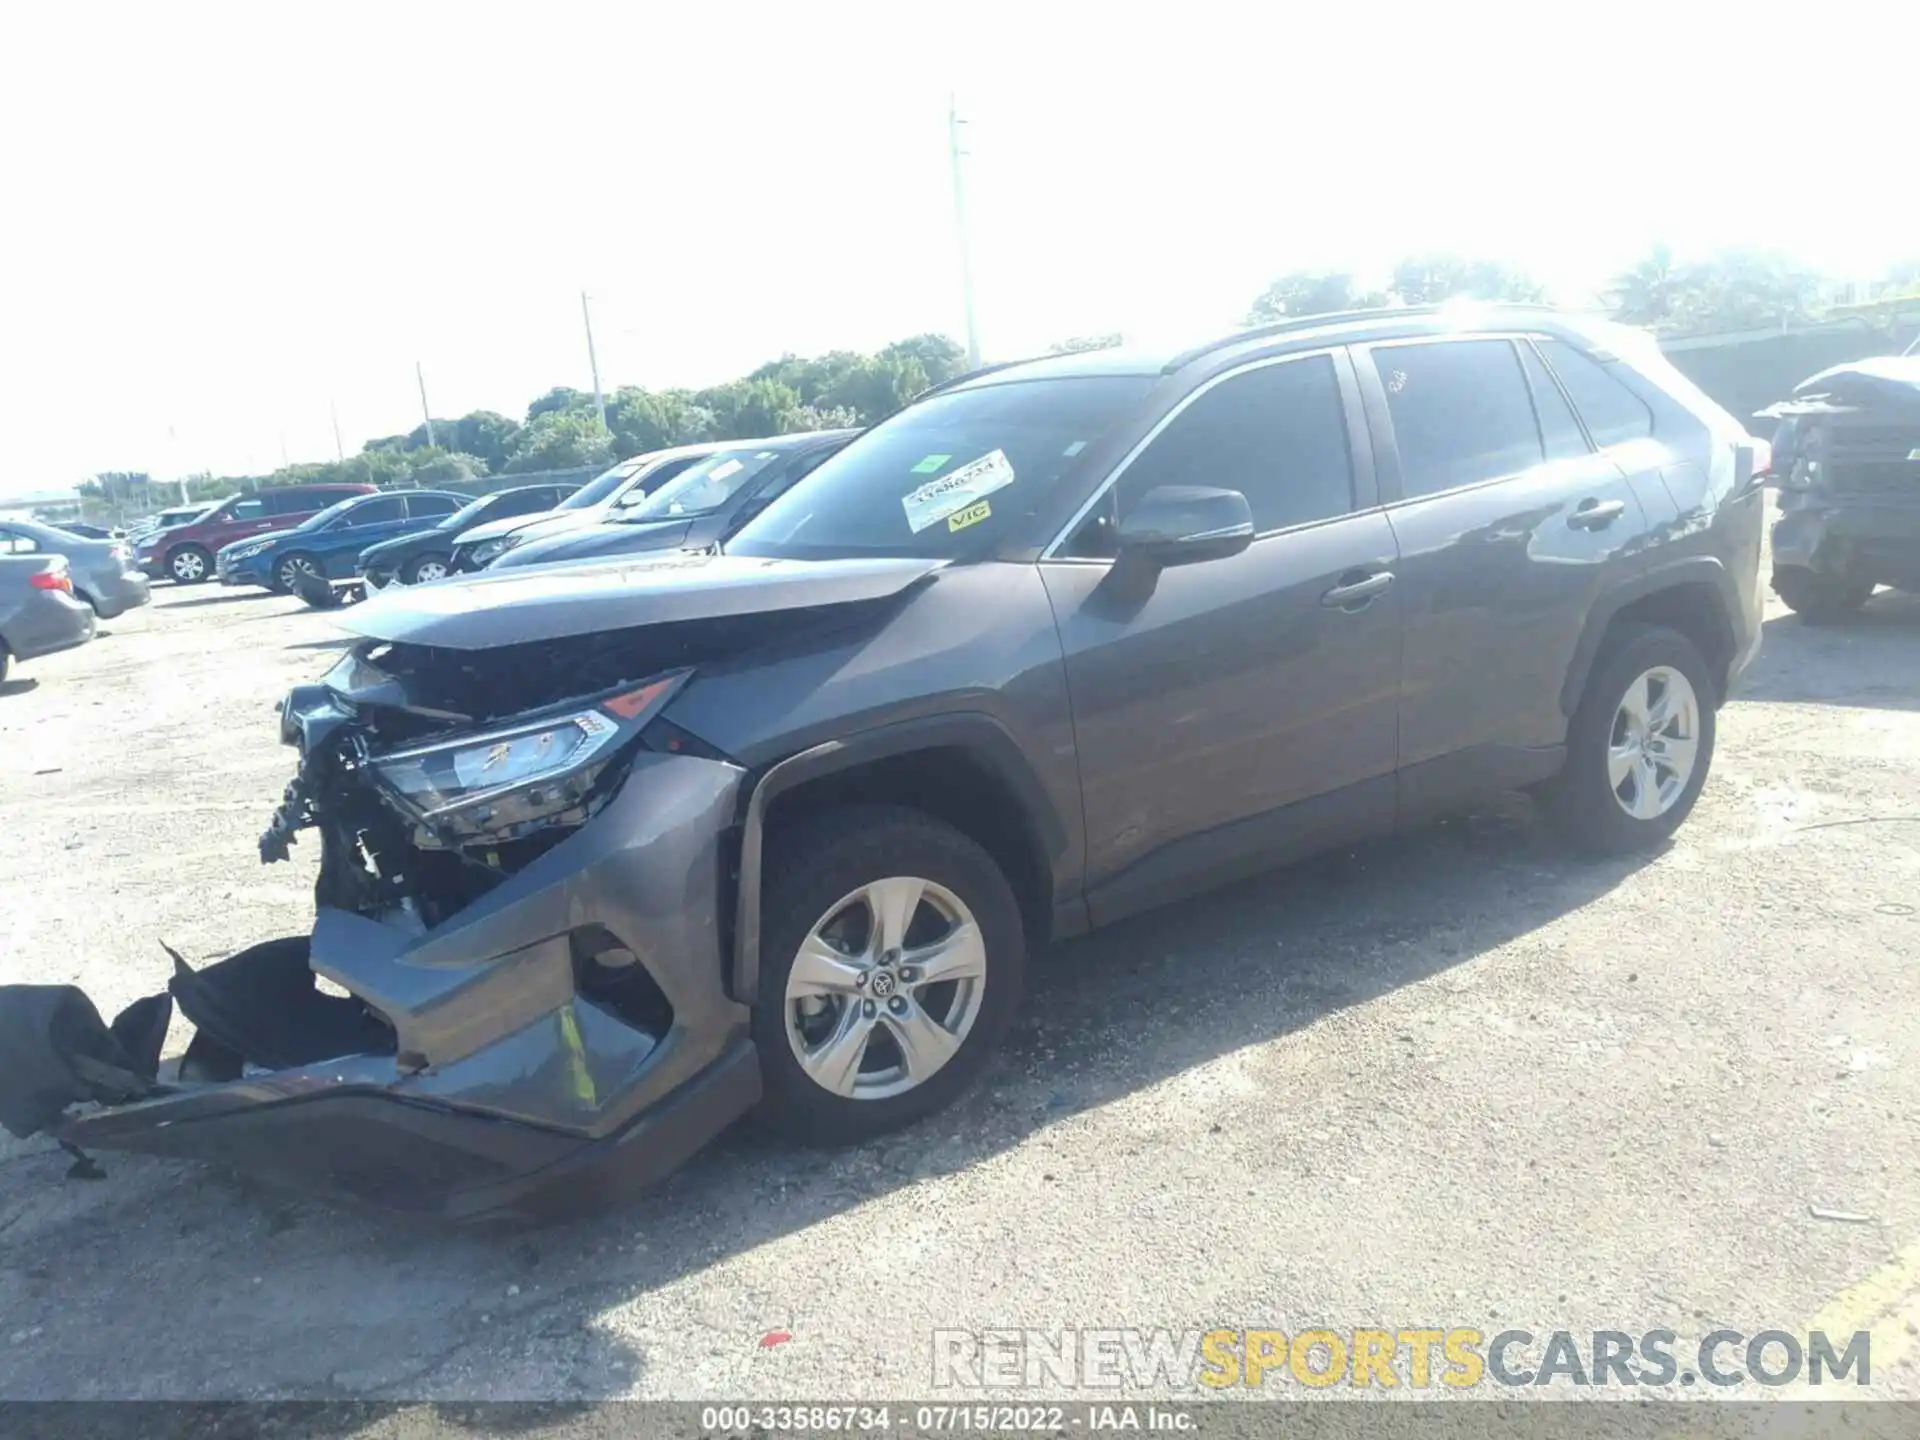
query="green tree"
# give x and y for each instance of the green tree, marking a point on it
(1311, 292)
(877, 386)
(1646, 292)
(560, 440)
(560, 399)
(643, 420)
(743, 409)
(1080, 344)
(940, 358)
(445, 467)
(1429, 279)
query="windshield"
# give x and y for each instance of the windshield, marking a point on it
(948, 475)
(465, 515)
(600, 487)
(705, 485)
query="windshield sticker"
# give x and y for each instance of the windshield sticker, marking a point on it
(937, 499)
(721, 472)
(1075, 448)
(972, 515)
(930, 465)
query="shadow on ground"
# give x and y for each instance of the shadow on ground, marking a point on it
(19, 686)
(1871, 659)
(1107, 1016)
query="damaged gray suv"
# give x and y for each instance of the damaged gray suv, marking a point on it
(614, 852)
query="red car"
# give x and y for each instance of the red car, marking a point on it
(186, 552)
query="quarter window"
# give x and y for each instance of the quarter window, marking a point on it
(1613, 413)
(1461, 413)
(1276, 433)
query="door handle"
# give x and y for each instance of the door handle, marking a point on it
(1358, 593)
(1596, 514)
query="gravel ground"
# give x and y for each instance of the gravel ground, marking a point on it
(1455, 1078)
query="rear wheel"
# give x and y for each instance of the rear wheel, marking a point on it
(428, 568)
(894, 956)
(1819, 599)
(1640, 744)
(287, 573)
(189, 565)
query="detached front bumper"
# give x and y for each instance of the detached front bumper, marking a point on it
(562, 1039)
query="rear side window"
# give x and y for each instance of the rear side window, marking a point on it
(1613, 413)
(1461, 413)
(13, 542)
(1277, 434)
(1558, 427)
(281, 502)
(376, 512)
(421, 507)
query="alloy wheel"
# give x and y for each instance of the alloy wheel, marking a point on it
(189, 566)
(1654, 743)
(292, 568)
(430, 570)
(886, 987)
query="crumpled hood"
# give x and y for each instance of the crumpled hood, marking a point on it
(513, 607)
(1881, 379)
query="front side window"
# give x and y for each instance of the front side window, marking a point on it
(947, 477)
(1276, 433)
(1613, 413)
(1461, 413)
(247, 510)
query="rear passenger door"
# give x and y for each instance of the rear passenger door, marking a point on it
(1234, 712)
(1509, 525)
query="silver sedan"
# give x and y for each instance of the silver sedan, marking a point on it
(103, 571)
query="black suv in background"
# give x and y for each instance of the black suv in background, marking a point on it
(428, 554)
(611, 853)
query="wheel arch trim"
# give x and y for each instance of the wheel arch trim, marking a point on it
(977, 733)
(1704, 570)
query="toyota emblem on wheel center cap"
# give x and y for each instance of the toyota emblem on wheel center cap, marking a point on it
(882, 983)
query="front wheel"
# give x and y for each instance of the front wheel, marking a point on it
(1640, 744)
(290, 571)
(428, 568)
(1819, 599)
(189, 565)
(894, 958)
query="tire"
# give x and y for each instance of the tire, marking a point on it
(437, 567)
(286, 571)
(190, 565)
(6, 662)
(817, 871)
(1819, 599)
(1592, 810)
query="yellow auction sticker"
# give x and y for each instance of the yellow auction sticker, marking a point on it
(972, 515)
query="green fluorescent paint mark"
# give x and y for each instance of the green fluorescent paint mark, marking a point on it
(583, 1087)
(930, 464)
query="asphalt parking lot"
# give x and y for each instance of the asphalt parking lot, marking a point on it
(1455, 1078)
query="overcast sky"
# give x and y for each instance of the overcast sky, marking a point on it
(220, 221)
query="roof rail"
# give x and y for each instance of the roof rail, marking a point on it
(1334, 317)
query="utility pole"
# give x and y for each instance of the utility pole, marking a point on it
(339, 450)
(599, 400)
(954, 152)
(425, 413)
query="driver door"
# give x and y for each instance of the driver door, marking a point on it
(1233, 713)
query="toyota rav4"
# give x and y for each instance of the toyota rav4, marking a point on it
(612, 853)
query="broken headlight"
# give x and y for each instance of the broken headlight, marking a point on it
(528, 771)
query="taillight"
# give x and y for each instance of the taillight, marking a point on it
(51, 580)
(122, 553)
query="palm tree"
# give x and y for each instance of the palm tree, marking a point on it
(1646, 293)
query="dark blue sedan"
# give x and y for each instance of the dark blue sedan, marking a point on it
(329, 543)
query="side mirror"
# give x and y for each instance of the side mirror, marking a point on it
(1185, 524)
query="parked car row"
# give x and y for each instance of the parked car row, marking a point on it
(54, 586)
